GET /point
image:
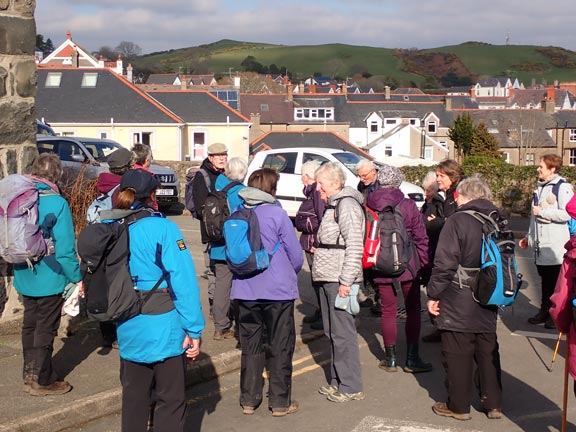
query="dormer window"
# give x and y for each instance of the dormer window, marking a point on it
(89, 79)
(432, 127)
(53, 79)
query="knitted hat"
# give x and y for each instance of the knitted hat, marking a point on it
(389, 177)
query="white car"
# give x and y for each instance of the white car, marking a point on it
(287, 163)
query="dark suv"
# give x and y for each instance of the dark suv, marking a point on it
(90, 154)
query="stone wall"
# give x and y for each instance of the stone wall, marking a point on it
(17, 112)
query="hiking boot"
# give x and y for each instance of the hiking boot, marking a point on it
(539, 318)
(328, 390)
(56, 388)
(433, 337)
(549, 324)
(494, 414)
(414, 364)
(441, 409)
(345, 397)
(281, 412)
(389, 362)
(224, 334)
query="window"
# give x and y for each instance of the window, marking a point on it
(572, 157)
(281, 162)
(443, 144)
(306, 157)
(373, 126)
(572, 135)
(198, 145)
(413, 121)
(142, 138)
(103, 135)
(529, 158)
(388, 150)
(264, 107)
(53, 79)
(390, 121)
(428, 152)
(314, 113)
(506, 157)
(67, 133)
(89, 79)
(432, 127)
(66, 151)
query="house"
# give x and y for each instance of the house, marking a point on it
(70, 54)
(100, 103)
(496, 86)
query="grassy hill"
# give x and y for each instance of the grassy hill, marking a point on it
(471, 59)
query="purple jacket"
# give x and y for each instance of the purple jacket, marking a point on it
(280, 280)
(383, 197)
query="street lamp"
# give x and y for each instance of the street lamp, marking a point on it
(422, 140)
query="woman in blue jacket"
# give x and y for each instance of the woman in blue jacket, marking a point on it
(266, 302)
(42, 285)
(152, 344)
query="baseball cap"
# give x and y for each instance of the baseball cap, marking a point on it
(141, 181)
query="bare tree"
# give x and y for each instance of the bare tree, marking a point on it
(107, 53)
(128, 50)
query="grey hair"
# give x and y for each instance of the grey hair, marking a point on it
(309, 168)
(473, 188)
(47, 166)
(430, 181)
(333, 171)
(236, 169)
(365, 163)
(141, 153)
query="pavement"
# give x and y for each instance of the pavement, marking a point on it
(94, 371)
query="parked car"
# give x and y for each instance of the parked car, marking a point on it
(44, 129)
(90, 154)
(287, 163)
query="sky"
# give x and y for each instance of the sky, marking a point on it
(157, 25)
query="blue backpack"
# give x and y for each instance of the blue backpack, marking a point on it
(571, 222)
(497, 282)
(245, 254)
(102, 202)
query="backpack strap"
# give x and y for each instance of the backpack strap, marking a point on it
(207, 181)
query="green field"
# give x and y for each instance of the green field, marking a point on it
(341, 60)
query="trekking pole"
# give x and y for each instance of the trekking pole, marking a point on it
(565, 396)
(555, 351)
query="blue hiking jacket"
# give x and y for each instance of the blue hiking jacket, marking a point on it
(157, 243)
(52, 273)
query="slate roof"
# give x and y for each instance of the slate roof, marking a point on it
(280, 109)
(276, 140)
(112, 98)
(197, 106)
(162, 79)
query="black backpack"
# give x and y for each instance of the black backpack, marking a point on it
(396, 245)
(306, 220)
(109, 288)
(189, 192)
(215, 212)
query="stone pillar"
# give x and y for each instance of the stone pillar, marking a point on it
(17, 113)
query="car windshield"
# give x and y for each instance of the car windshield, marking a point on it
(350, 160)
(100, 150)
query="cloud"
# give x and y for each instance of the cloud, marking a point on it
(170, 24)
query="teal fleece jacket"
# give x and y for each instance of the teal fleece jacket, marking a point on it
(53, 272)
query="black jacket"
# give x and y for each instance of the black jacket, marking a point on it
(460, 244)
(450, 205)
(201, 191)
(433, 227)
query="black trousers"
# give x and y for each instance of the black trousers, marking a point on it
(277, 320)
(459, 353)
(548, 277)
(137, 380)
(39, 328)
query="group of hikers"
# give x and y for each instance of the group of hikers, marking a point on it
(365, 242)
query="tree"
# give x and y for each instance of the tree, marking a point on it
(128, 50)
(107, 53)
(462, 134)
(484, 143)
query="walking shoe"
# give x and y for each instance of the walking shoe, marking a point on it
(433, 337)
(441, 409)
(328, 390)
(224, 334)
(56, 388)
(281, 412)
(494, 414)
(539, 318)
(345, 397)
(248, 410)
(549, 324)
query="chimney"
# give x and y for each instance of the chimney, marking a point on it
(255, 119)
(511, 92)
(289, 92)
(473, 93)
(533, 83)
(448, 104)
(119, 65)
(101, 61)
(387, 93)
(129, 73)
(312, 88)
(551, 93)
(68, 35)
(74, 57)
(237, 82)
(183, 82)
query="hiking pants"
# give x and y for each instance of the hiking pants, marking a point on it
(273, 324)
(340, 329)
(209, 272)
(459, 353)
(315, 285)
(39, 328)
(548, 277)
(389, 303)
(221, 305)
(168, 378)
